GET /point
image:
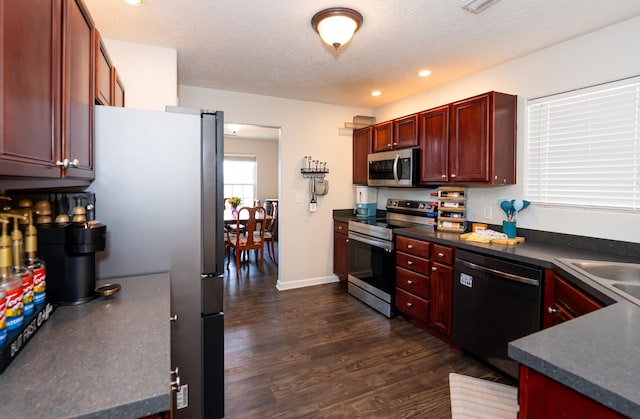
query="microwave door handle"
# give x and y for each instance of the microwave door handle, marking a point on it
(395, 168)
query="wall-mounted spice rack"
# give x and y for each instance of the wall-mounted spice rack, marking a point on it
(314, 168)
(451, 209)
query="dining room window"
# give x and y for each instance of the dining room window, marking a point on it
(583, 148)
(240, 177)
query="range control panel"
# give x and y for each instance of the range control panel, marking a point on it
(423, 208)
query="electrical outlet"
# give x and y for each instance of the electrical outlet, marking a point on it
(488, 212)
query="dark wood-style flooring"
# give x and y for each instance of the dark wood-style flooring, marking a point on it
(317, 352)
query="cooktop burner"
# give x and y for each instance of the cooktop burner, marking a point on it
(385, 223)
(400, 214)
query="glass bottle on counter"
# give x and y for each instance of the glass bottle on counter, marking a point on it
(10, 283)
(3, 318)
(17, 250)
(32, 262)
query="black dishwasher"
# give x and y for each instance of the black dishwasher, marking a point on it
(495, 301)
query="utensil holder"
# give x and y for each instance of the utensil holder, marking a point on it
(509, 228)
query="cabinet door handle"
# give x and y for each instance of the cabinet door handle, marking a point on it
(433, 268)
(444, 176)
(440, 255)
(409, 305)
(409, 282)
(175, 382)
(173, 318)
(339, 227)
(74, 163)
(346, 241)
(409, 246)
(453, 175)
(409, 262)
(64, 163)
(551, 310)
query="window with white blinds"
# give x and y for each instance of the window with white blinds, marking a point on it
(240, 177)
(583, 147)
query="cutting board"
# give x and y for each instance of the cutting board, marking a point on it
(509, 242)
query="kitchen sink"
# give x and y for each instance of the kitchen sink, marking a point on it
(620, 272)
(621, 278)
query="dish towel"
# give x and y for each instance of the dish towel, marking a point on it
(477, 398)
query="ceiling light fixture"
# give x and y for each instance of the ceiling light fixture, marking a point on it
(134, 2)
(376, 93)
(477, 6)
(234, 128)
(424, 73)
(336, 25)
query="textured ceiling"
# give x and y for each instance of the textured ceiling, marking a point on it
(269, 47)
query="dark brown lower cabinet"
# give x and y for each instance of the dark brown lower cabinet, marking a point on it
(341, 249)
(564, 301)
(541, 397)
(424, 284)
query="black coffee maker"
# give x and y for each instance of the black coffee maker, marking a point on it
(69, 250)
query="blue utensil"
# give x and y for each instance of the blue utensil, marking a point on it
(506, 207)
(518, 204)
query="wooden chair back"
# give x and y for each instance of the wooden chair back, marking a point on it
(252, 236)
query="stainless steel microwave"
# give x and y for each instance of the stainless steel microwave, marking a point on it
(397, 168)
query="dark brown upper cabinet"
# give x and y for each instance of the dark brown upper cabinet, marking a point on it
(482, 142)
(104, 67)
(405, 131)
(47, 92)
(383, 136)
(361, 150)
(30, 109)
(78, 96)
(434, 145)
(395, 134)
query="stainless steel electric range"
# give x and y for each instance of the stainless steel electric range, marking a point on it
(371, 276)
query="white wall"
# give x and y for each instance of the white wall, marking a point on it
(605, 55)
(305, 238)
(266, 152)
(149, 74)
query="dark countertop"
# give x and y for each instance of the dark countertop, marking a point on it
(597, 354)
(103, 359)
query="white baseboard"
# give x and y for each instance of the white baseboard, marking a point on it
(301, 283)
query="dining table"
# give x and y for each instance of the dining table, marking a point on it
(230, 217)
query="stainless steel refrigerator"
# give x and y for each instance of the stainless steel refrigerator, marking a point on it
(159, 188)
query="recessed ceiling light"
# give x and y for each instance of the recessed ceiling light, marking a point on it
(376, 93)
(134, 2)
(424, 73)
(477, 6)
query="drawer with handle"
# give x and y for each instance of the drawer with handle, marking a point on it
(415, 247)
(442, 254)
(413, 282)
(412, 305)
(414, 263)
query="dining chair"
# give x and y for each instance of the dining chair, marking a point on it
(252, 238)
(270, 231)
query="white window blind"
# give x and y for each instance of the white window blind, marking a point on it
(240, 172)
(583, 147)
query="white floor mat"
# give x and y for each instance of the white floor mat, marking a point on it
(476, 398)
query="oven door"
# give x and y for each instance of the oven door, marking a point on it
(372, 271)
